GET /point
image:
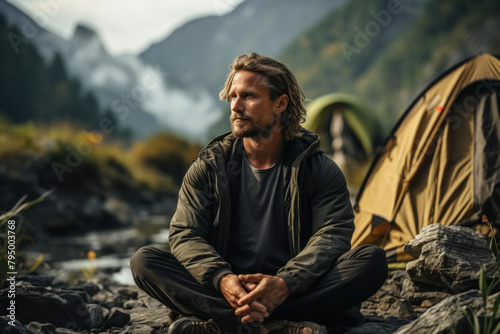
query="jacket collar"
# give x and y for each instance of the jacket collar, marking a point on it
(217, 151)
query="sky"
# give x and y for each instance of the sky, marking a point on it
(124, 26)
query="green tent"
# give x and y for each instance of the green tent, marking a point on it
(348, 129)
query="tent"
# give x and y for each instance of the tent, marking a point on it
(439, 164)
(347, 128)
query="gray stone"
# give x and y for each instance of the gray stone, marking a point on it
(96, 315)
(377, 325)
(139, 329)
(62, 330)
(159, 319)
(152, 303)
(133, 304)
(61, 308)
(451, 313)
(450, 257)
(387, 301)
(89, 288)
(18, 328)
(35, 280)
(117, 297)
(394, 307)
(42, 328)
(118, 209)
(116, 318)
(106, 299)
(418, 292)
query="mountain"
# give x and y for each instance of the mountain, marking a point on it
(198, 54)
(139, 95)
(33, 90)
(45, 41)
(385, 55)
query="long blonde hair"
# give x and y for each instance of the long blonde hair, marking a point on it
(279, 80)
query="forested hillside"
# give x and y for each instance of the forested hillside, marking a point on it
(34, 90)
(386, 52)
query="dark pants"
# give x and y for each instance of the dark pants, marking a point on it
(334, 297)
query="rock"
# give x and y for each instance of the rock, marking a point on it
(65, 331)
(128, 292)
(59, 307)
(92, 207)
(451, 313)
(119, 209)
(18, 328)
(105, 298)
(377, 325)
(158, 319)
(450, 257)
(395, 307)
(418, 292)
(115, 298)
(96, 315)
(133, 304)
(387, 302)
(35, 280)
(152, 303)
(42, 328)
(116, 318)
(89, 288)
(139, 329)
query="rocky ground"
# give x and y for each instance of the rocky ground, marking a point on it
(436, 294)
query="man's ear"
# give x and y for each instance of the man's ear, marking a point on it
(282, 103)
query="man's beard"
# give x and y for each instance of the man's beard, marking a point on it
(253, 131)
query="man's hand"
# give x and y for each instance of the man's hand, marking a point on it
(269, 291)
(233, 290)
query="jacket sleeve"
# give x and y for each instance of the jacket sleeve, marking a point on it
(332, 228)
(191, 226)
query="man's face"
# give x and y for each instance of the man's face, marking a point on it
(253, 113)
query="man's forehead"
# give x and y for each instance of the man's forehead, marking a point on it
(248, 78)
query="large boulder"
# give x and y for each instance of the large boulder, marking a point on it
(452, 314)
(61, 308)
(450, 257)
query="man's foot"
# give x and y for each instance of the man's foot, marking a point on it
(289, 327)
(193, 325)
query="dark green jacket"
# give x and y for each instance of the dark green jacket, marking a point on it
(316, 202)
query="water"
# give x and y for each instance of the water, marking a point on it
(67, 256)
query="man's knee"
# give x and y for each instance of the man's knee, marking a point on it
(141, 261)
(375, 260)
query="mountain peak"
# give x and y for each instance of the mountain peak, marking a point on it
(85, 38)
(84, 32)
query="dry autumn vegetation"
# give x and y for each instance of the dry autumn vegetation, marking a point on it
(156, 164)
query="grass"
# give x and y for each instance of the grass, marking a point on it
(489, 324)
(11, 252)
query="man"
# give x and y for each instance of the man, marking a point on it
(260, 241)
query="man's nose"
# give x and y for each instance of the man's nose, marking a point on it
(237, 105)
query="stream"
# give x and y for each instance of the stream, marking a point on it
(67, 257)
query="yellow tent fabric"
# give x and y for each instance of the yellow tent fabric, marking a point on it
(424, 172)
